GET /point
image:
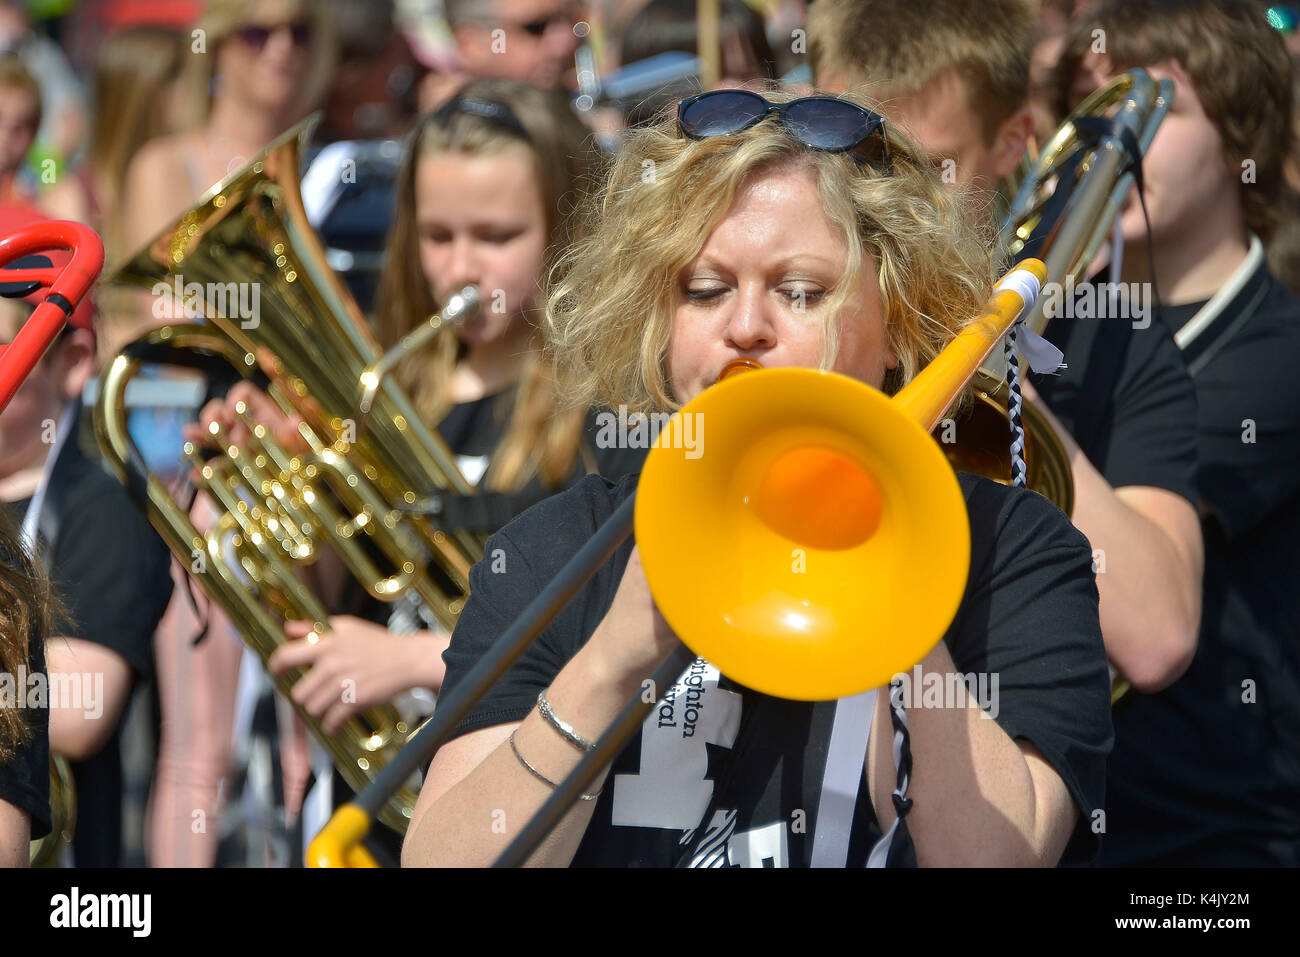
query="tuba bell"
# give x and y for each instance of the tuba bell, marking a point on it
(246, 243)
(1065, 204)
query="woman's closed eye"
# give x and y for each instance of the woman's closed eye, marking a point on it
(704, 292)
(802, 294)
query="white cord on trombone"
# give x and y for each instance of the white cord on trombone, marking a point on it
(1014, 406)
(879, 856)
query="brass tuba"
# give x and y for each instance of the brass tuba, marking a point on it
(1061, 213)
(248, 243)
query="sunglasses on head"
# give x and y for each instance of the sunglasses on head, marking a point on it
(257, 35)
(496, 113)
(818, 122)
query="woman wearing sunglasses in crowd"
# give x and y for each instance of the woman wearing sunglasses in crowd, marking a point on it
(484, 199)
(787, 234)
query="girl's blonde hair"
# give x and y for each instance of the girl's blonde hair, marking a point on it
(218, 23)
(539, 439)
(613, 296)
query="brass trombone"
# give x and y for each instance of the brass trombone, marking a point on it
(1061, 213)
(777, 432)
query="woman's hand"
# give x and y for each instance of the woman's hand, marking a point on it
(356, 665)
(262, 410)
(633, 638)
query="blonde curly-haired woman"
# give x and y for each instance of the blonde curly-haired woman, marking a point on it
(794, 232)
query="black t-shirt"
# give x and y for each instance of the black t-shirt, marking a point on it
(25, 779)
(1126, 398)
(1207, 772)
(474, 429)
(109, 568)
(1029, 615)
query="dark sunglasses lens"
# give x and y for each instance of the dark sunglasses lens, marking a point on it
(829, 124)
(301, 34)
(255, 37)
(721, 113)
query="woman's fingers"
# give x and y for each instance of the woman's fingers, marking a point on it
(294, 654)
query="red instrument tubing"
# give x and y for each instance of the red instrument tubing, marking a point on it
(67, 286)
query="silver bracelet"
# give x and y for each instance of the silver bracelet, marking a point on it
(539, 775)
(561, 725)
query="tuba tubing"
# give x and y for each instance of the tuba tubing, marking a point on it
(922, 401)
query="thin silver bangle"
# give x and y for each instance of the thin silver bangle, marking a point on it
(562, 726)
(542, 777)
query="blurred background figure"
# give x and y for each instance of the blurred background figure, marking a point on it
(373, 92)
(530, 41)
(20, 115)
(255, 67)
(664, 26)
(136, 97)
(63, 123)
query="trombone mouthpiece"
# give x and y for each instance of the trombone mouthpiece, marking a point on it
(738, 365)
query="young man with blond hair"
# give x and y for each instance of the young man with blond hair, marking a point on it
(955, 75)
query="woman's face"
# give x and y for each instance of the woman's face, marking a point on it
(267, 57)
(481, 222)
(757, 290)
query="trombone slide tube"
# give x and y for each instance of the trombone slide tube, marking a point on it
(1015, 294)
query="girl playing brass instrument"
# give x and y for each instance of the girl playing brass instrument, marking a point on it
(484, 199)
(807, 238)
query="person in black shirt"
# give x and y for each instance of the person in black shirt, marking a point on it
(1207, 772)
(737, 247)
(107, 566)
(957, 76)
